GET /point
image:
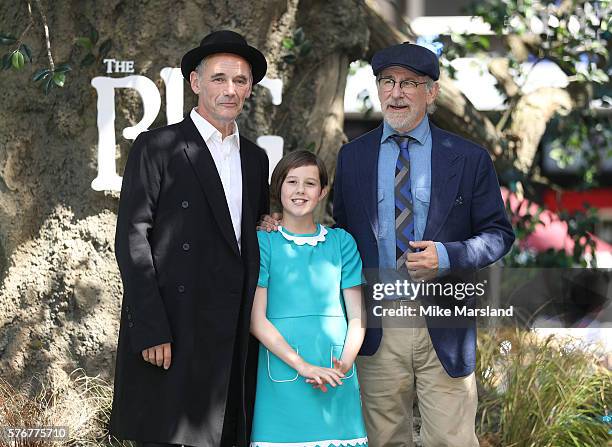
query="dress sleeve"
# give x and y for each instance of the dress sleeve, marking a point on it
(351, 261)
(264, 258)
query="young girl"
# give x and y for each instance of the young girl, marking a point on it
(307, 316)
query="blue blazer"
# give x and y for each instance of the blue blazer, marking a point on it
(466, 214)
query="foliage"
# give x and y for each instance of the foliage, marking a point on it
(56, 77)
(18, 56)
(576, 35)
(296, 46)
(51, 75)
(540, 392)
(580, 228)
(581, 140)
(572, 33)
(93, 54)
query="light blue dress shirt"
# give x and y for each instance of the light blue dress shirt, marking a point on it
(420, 184)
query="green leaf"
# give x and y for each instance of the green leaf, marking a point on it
(48, 85)
(88, 60)
(288, 43)
(84, 42)
(298, 36)
(63, 68)
(26, 51)
(40, 74)
(17, 60)
(59, 79)
(105, 48)
(7, 40)
(289, 59)
(305, 48)
(6, 61)
(94, 35)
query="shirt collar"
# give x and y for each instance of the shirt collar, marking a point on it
(419, 133)
(207, 130)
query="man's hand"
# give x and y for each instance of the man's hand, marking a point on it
(423, 265)
(269, 223)
(160, 355)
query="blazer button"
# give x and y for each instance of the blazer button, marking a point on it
(129, 316)
(185, 204)
(186, 246)
(130, 324)
(127, 308)
(181, 288)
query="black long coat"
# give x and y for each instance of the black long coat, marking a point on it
(186, 282)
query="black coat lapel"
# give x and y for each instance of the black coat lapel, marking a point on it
(446, 171)
(206, 171)
(368, 175)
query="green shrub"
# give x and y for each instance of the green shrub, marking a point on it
(537, 392)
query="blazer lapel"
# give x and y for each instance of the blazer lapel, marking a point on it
(367, 160)
(446, 171)
(206, 172)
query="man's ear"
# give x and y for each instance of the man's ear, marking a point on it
(433, 94)
(194, 82)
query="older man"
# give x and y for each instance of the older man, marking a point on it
(415, 196)
(189, 260)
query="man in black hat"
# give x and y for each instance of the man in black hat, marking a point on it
(419, 198)
(189, 260)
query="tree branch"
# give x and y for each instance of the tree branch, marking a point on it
(25, 31)
(542, 103)
(499, 68)
(382, 34)
(456, 112)
(47, 40)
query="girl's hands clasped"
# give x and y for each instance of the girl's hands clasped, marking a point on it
(320, 377)
(338, 371)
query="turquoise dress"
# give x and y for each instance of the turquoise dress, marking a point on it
(305, 275)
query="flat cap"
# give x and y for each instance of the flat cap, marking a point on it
(413, 57)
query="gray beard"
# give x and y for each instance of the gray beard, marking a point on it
(397, 123)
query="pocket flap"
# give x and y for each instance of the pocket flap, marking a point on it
(279, 371)
(422, 194)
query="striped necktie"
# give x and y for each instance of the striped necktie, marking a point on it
(404, 217)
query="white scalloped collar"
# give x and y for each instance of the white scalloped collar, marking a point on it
(302, 239)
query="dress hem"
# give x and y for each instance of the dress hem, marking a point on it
(357, 442)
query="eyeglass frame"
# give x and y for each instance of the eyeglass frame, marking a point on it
(411, 82)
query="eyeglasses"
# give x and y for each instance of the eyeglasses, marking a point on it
(406, 86)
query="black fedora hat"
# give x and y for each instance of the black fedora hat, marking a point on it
(225, 41)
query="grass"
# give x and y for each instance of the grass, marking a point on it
(541, 392)
(81, 403)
